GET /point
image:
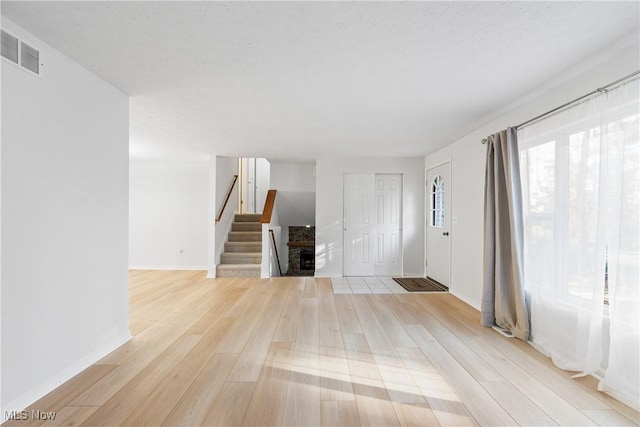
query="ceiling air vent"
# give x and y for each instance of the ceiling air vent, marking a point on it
(9, 47)
(29, 58)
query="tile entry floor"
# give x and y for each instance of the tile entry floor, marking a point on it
(366, 285)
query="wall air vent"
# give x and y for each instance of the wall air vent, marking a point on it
(20, 53)
(9, 48)
(29, 58)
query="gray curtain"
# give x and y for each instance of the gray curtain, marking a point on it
(503, 299)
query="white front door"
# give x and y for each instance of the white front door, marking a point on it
(372, 224)
(439, 223)
(388, 224)
(358, 224)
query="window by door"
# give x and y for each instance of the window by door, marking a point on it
(437, 202)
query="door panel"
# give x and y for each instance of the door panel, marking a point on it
(358, 227)
(438, 210)
(372, 226)
(388, 227)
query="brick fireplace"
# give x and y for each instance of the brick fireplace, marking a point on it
(302, 249)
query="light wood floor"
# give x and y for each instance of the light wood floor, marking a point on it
(287, 351)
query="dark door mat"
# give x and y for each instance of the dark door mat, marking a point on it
(419, 284)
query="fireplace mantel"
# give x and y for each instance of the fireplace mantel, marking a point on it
(301, 244)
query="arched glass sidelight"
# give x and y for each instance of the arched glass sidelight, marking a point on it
(437, 202)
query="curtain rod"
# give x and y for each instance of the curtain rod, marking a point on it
(598, 90)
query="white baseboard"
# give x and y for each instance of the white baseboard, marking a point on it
(464, 299)
(169, 267)
(37, 392)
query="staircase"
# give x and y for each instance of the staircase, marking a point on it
(243, 250)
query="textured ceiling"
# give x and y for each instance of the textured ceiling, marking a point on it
(297, 80)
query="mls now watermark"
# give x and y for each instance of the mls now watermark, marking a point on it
(34, 414)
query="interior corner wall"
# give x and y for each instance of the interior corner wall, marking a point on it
(330, 212)
(64, 167)
(169, 215)
(467, 156)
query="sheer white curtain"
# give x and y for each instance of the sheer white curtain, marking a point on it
(580, 172)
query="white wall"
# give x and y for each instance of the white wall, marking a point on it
(169, 214)
(283, 247)
(293, 176)
(329, 210)
(467, 157)
(296, 185)
(64, 223)
(297, 208)
(269, 263)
